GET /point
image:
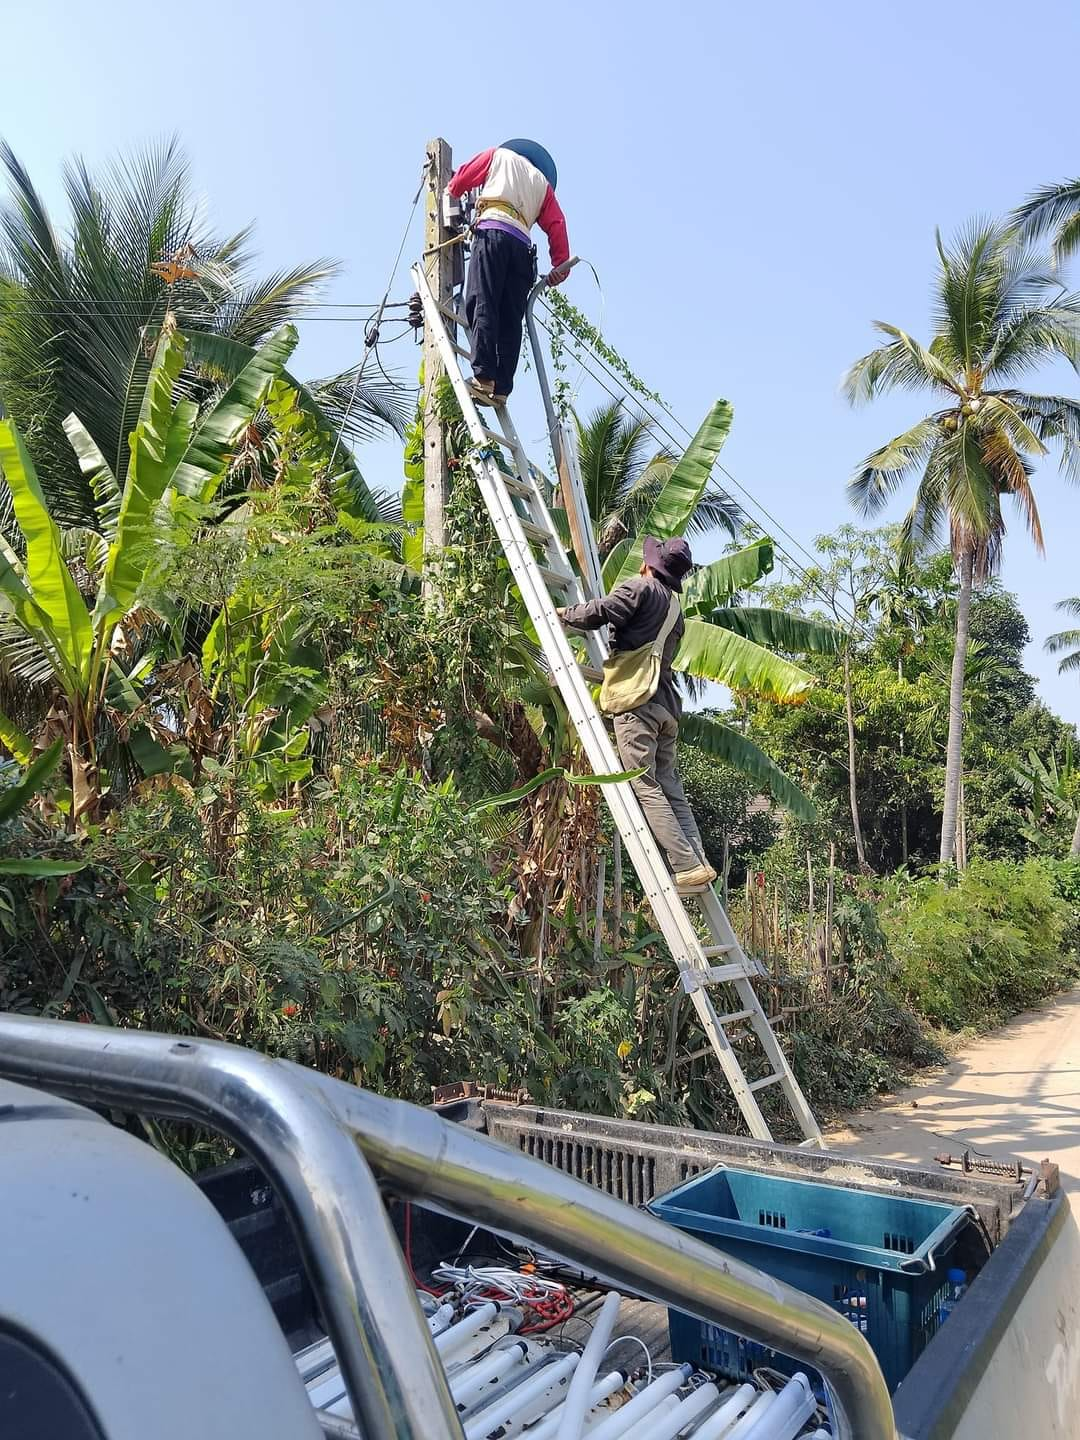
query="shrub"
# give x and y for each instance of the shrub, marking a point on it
(979, 946)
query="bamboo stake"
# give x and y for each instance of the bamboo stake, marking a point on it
(616, 885)
(829, 896)
(598, 921)
(775, 917)
(810, 914)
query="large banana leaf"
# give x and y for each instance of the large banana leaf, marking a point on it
(790, 633)
(612, 569)
(16, 797)
(203, 466)
(714, 583)
(726, 744)
(149, 754)
(149, 472)
(225, 356)
(55, 595)
(15, 740)
(98, 473)
(412, 501)
(671, 510)
(41, 869)
(714, 654)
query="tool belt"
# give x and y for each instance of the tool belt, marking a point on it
(491, 203)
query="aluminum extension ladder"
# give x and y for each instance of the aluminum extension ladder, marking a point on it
(538, 562)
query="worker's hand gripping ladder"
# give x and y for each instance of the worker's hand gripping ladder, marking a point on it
(523, 524)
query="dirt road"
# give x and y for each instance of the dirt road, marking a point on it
(1014, 1093)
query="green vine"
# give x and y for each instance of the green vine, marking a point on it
(571, 328)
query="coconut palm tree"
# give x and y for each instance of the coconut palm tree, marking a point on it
(999, 312)
(623, 471)
(1053, 209)
(1066, 639)
(81, 312)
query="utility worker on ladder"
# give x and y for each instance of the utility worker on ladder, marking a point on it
(517, 183)
(640, 612)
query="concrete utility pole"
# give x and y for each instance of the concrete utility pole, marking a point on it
(439, 261)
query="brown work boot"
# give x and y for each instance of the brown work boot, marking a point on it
(692, 882)
(482, 391)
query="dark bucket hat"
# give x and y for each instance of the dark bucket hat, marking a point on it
(669, 560)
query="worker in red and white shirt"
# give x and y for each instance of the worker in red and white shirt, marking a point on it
(517, 183)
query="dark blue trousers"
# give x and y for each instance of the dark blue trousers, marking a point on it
(501, 273)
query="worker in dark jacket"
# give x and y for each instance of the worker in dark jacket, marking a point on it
(517, 183)
(636, 611)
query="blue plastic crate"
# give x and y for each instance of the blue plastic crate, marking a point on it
(880, 1260)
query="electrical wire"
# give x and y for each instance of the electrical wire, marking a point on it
(371, 334)
(546, 1301)
(637, 1340)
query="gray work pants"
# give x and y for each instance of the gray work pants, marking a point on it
(646, 738)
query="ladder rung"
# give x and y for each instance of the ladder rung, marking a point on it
(554, 580)
(462, 350)
(768, 1080)
(592, 674)
(719, 949)
(498, 439)
(734, 1017)
(454, 316)
(717, 974)
(536, 532)
(516, 487)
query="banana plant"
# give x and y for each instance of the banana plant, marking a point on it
(177, 465)
(723, 640)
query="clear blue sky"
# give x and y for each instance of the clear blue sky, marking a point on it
(754, 183)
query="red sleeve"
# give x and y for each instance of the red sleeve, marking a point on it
(472, 174)
(553, 223)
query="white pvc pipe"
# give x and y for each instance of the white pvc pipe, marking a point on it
(645, 1401)
(516, 1408)
(666, 1406)
(450, 1339)
(785, 1418)
(548, 1427)
(440, 1319)
(719, 1424)
(577, 1397)
(666, 1426)
(820, 1435)
(742, 1427)
(467, 1385)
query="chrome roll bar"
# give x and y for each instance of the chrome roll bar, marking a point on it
(319, 1140)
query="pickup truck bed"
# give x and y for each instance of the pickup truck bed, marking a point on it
(85, 1238)
(637, 1162)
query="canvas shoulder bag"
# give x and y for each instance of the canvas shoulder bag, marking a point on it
(631, 677)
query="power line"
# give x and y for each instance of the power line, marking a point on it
(371, 334)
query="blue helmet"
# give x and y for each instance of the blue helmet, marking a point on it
(536, 155)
